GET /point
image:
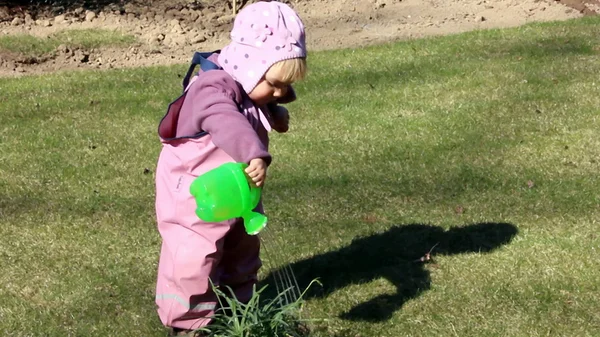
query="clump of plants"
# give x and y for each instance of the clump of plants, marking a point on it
(258, 317)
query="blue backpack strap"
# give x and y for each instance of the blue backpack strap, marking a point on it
(200, 59)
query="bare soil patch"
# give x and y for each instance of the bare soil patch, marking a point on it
(169, 31)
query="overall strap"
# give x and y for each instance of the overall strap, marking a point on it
(200, 59)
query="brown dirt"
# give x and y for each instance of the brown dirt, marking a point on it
(169, 31)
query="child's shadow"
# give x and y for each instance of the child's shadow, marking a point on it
(398, 255)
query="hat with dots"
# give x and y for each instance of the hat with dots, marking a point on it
(263, 34)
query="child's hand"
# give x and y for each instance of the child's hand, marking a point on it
(281, 119)
(257, 171)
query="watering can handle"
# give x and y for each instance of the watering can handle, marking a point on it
(253, 221)
(255, 192)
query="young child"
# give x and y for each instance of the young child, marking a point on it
(225, 116)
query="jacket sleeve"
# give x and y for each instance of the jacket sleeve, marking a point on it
(217, 112)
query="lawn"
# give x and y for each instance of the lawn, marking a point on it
(25, 45)
(480, 148)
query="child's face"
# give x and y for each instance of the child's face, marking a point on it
(269, 88)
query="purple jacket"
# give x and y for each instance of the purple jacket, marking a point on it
(216, 104)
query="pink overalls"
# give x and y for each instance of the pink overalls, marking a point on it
(194, 252)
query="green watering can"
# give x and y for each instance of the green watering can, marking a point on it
(225, 193)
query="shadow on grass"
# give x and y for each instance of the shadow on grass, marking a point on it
(396, 255)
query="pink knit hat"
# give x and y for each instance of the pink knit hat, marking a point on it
(263, 34)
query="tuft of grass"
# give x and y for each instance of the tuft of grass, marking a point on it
(32, 46)
(260, 316)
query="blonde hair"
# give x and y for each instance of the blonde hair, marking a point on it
(290, 70)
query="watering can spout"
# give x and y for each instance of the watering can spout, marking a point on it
(254, 222)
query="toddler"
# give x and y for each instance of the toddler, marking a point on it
(224, 116)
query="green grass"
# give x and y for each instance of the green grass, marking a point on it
(32, 46)
(387, 144)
